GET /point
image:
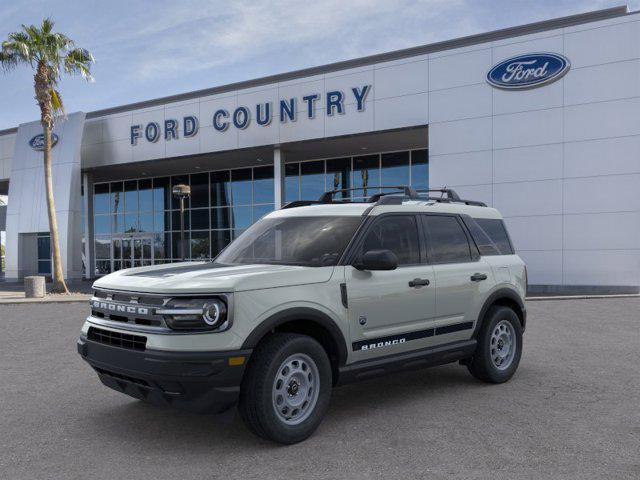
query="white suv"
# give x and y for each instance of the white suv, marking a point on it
(311, 296)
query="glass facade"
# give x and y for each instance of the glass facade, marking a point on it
(137, 222)
(307, 180)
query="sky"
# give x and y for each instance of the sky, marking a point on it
(149, 49)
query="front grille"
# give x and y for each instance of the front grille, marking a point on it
(128, 308)
(117, 339)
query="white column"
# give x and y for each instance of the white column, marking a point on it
(278, 178)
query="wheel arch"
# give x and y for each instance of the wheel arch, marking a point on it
(307, 321)
(503, 297)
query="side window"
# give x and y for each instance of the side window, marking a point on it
(486, 246)
(495, 229)
(397, 233)
(447, 239)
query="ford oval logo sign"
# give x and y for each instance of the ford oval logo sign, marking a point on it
(37, 142)
(528, 71)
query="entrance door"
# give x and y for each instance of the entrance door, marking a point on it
(135, 251)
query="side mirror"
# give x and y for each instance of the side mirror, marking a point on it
(378, 260)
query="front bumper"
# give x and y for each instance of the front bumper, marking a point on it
(201, 382)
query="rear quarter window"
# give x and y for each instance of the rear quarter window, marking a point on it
(490, 234)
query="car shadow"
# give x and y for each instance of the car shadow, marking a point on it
(137, 421)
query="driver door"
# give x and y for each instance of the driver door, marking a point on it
(389, 312)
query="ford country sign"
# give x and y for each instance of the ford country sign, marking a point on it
(37, 142)
(528, 71)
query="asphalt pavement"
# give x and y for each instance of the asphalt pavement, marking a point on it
(571, 411)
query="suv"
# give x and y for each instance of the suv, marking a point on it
(317, 294)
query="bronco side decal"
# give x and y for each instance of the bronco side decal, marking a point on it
(391, 340)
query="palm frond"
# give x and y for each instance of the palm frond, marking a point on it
(78, 62)
(56, 101)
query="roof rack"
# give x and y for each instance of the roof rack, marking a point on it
(400, 193)
(451, 196)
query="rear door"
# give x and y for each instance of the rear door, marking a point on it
(389, 311)
(462, 277)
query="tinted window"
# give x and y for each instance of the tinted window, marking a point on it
(398, 234)
(309, 241)
(486, 246)
(497, 232)
(447, 240)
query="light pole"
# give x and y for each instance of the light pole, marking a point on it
(181, 192)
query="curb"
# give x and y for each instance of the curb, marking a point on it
(582, 297)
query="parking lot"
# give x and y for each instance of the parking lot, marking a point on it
(571, 411)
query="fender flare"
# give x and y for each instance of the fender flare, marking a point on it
(499, 294)
(300, 313)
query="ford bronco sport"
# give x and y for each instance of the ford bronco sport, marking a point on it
(314, 295)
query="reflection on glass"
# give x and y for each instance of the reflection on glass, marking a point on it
(199, 245)
(241, 186)
(220, 189)
(131, 222)
(263, 185)
(116, 197)
(260, 211)
(159, 245)
(161, 194)
(219, 240)
(117, 249)
(339, 176)
(242, 217)
(101, 198)
(145, 195)
(420, 169)
(220, 218)
(130, 196)
(102, 224)
(175, 246)
(146, 222)
(102, 246)
(311, 180)
(200, 190)
(175, 220)
(366, 174)
(291, 182)
(117, 223)
(199, 219)
(395, 168)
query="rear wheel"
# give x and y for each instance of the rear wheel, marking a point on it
(286, 389)
(499, 346)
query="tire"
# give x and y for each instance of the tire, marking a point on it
(287, 372)
(499, 346)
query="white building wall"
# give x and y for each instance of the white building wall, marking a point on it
(7, 143)
(562, 161)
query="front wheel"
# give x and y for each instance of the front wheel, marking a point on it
(286, 389)
(499, 346)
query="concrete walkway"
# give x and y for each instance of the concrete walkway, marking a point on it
(13, 293)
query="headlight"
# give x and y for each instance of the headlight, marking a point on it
(196, 314)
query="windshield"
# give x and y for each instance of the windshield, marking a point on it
(306, 241)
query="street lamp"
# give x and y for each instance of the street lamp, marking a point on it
(182, 192)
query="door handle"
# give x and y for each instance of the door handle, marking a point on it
(478, 277)
(419, 282)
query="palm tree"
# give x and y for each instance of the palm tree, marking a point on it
(48, 54)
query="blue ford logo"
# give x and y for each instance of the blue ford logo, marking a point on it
(37, 142)
(528, 71)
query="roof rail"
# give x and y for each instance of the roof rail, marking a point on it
(451, 197)
(327, 197)
(397, 196)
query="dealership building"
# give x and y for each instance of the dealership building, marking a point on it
(541, 121)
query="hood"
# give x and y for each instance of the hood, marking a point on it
(209, 277)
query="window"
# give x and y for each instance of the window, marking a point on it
(495, 229)
(447, 241)
(482, 240)
(397, 233)
(308, 241)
